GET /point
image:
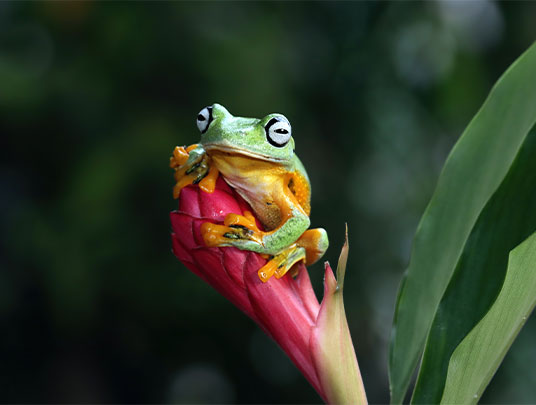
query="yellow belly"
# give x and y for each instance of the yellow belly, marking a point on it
(256, 181)
(259, 182)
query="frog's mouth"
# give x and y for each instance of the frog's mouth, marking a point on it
(233, 150)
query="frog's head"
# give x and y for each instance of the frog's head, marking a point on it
(268, 138)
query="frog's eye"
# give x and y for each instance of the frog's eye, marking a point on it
(204, 118)
(278, 131)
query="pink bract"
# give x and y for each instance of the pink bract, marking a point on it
(286, 309)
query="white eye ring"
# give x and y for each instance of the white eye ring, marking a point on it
(278, 131)
(204, 118)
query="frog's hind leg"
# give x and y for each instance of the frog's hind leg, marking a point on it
(241, 231)
(310, 247)
(288, 244)
(315, 242)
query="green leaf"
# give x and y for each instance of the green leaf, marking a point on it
(475, 360)
(507, 220)
(473, 171)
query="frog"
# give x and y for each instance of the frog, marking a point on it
(256, 157)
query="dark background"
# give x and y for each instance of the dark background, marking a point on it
(93, 98)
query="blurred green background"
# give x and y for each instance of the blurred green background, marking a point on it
(93, 98)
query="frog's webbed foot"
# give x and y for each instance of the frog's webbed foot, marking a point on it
(281, 263)
(237, 230)
(192, 166)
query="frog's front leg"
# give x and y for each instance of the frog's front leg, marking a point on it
(237, 230)
(192, 166)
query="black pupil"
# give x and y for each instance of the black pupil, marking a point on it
(201, 118)
(281, 131)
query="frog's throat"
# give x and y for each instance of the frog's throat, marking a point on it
(233, 150)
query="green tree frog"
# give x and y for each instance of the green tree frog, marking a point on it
(255, 157)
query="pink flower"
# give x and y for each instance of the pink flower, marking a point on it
(314, 336)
